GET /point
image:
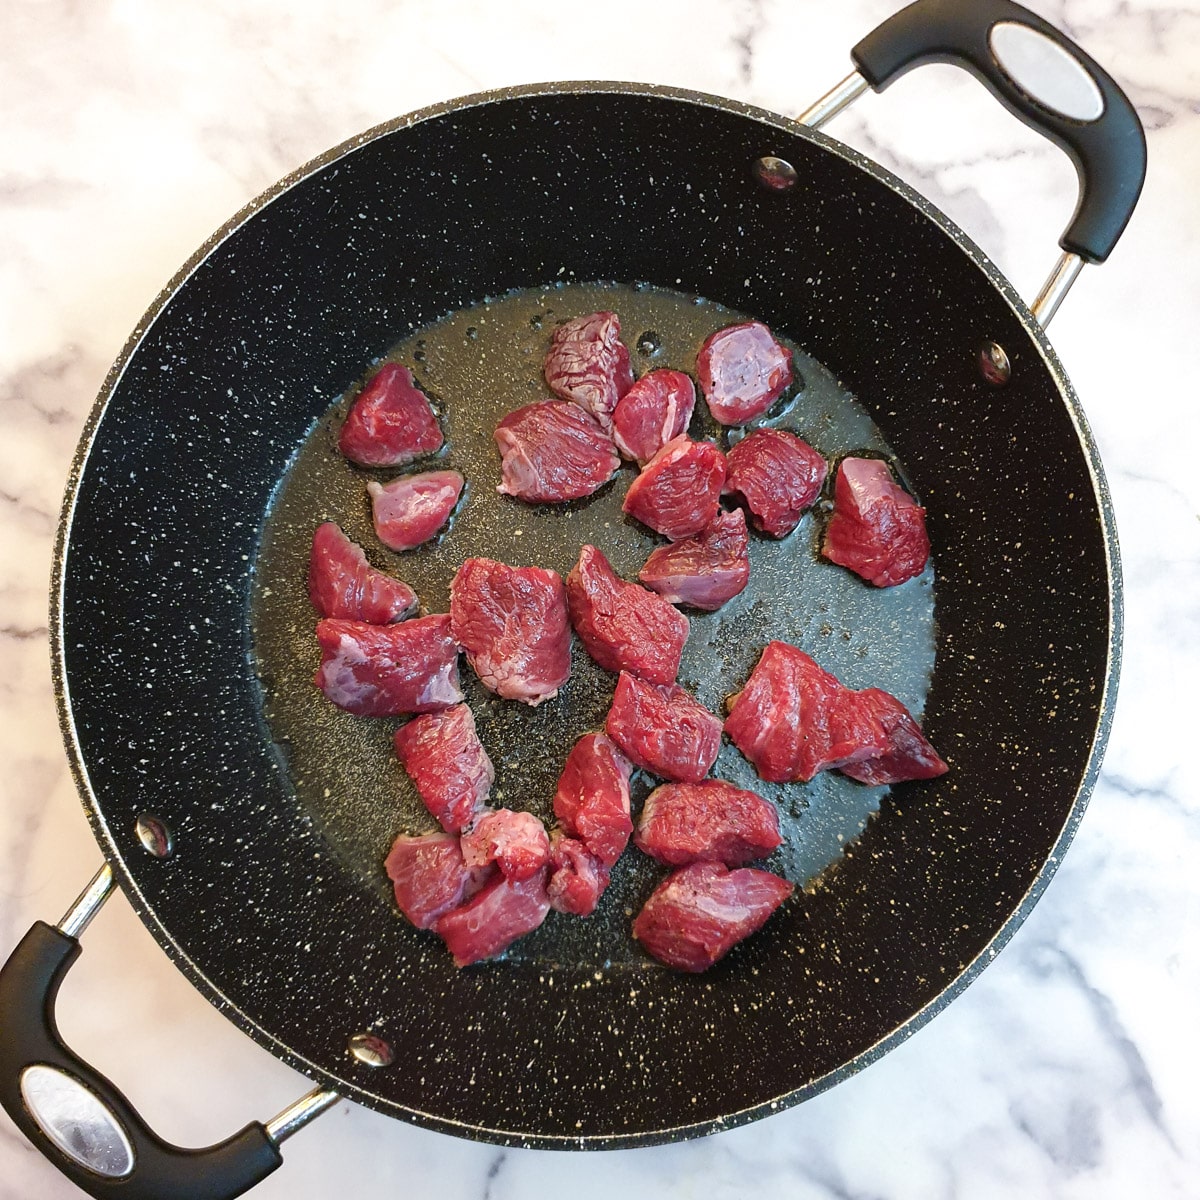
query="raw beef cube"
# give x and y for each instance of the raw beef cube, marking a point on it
(743, 370)
(710, 821)
(512, 622)
(663, 730)
(343, 584)
(794, 719)
(877, 528)
(678, 490)
(654, 411)
(494, 918)
(777, 476)
(577, 876)
(515, 841)
(430, 877)
(699, 913)
(389, 670)
(703, 571)
(588, 364)
(553, 451)
(624, 626)
(908, 756)
(448, 765)
(391, 422)
(592, 800)
(410, 510)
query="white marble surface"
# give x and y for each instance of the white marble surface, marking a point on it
(132, 128)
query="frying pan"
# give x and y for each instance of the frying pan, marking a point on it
(255, 896)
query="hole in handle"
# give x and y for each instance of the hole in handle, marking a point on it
(1045, 71)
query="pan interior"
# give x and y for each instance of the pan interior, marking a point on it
(478, 364)
(273, 903)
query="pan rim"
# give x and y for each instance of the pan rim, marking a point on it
(111, 848)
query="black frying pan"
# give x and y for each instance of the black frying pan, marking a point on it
(273, 903)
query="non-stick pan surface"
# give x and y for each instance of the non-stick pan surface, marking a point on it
(279, 315)
(479, 364)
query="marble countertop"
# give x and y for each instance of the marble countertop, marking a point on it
(132, 129)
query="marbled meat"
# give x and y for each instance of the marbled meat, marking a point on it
(909, 754)
(430, 877)
(512, 623)
(877, 528)
(553, 451)
(794, 719)
(663, 729)
(391, 422)
(487, 924)
(743, 370)
(577, 876)
(678, 490)
(703, 571)
(410, 510)
(624, 626)
(588, 364)
(777, 476)
(389, 670)
(709, 821)
(341, 583)
(516, 842)
(700, 912)
(448, 765)
(653, 412)
(592, 800)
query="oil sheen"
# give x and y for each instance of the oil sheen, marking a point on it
(477, 364)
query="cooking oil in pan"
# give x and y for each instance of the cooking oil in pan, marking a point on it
(477, 365)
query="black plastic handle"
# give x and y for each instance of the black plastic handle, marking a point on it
(1109, 152)
(29, 983)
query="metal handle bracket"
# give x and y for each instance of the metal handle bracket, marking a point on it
(1012, 50)
(79, 1120)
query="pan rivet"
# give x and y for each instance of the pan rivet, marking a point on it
(775, 174)
(993, 364)
(155, 836)
(371, 1050)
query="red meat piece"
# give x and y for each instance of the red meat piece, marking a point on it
(743, 370)
(553, 451)
(653, 412)
(703, 571)
(389, 670)
(877, 528)
(710, 821)
(512, 622)
(391, 422)
(343, 584)
(677, 492)
(588, 364)
(777, 476)
(515, 841)
(624, 626)
(794, 719)
(577, 876)
(448, 765)
(410, 510)
(699, 913)
(663, 730)
(494, 918)
(592, 800)
(908, 756)
(430, 877)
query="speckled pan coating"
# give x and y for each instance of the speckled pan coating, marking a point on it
(478, 362)
(244, 350)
